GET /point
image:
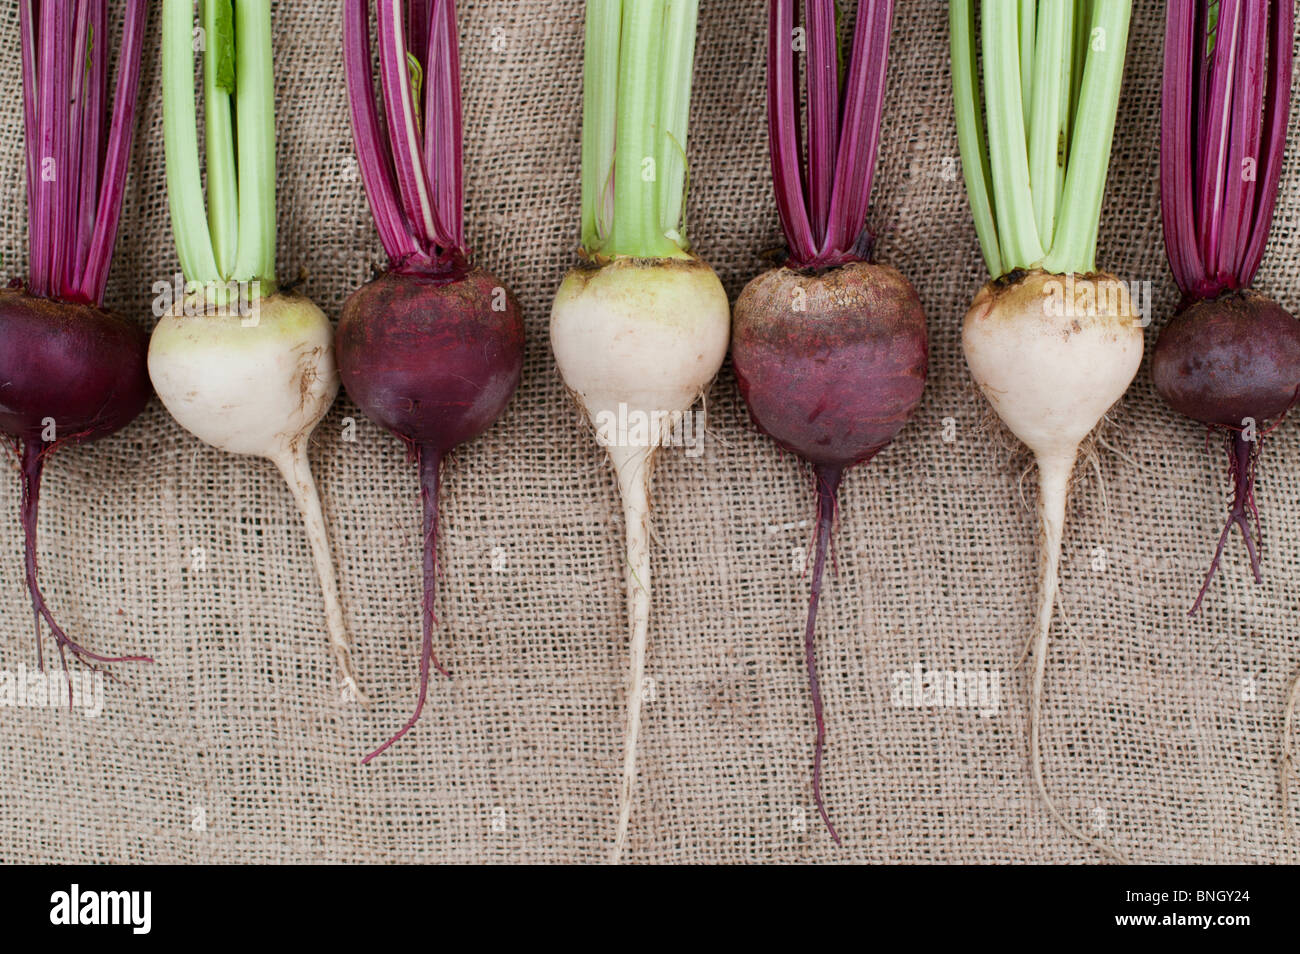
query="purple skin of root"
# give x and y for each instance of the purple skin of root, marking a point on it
(432, 349)
(1226, 362)
(434, 361)
(1229, 356)
(83, 369)
(830, 351)
(833, 384)
(70, 372)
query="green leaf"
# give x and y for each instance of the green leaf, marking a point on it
(223, 40)
(416, 71)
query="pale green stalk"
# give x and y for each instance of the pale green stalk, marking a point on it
(181, 144)
(1008, 156)
(970, 130)
(599, 115)
(1075, 249)
(1046, 155)
(218, 81)
(674, 111)
(255, 118)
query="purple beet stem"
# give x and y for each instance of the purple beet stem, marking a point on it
(1241, 456)
(1218, 111)
(430, 464)
(33, 465)
(828, 485)
(823, 202)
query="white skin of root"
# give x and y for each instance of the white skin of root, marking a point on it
(1051, 368)
(651, 337)
(259, 386)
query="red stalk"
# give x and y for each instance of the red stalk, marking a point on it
(75, 180)
(442, 125)
(1277, 113)
(823, 112)
(411, 165)
(783, 134)
(402, 113)
(376, 165)
(1176, 172)
(116, 155)
(860, 141)
(825, 224)
(1216, 133)
(1224, 111)
(1243, 146)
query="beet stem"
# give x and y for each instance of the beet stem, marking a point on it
(430, 464)
(828, 485)
(1242, 456)
(33, 466)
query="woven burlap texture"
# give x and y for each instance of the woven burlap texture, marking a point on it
(1162, 733)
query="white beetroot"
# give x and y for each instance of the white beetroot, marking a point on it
(644, 339)
(258, 385)
(1052, 354)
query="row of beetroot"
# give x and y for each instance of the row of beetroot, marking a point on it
(829, 348)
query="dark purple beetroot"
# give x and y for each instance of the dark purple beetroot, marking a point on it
(1228, 359)
(80, 366)
(72, 373)
(831, 365)
(1232, 363)
(435, 360)
(430, 359)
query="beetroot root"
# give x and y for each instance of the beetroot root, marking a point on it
(435, 359)
(1232, 363)
(832, 365)
(70, 373)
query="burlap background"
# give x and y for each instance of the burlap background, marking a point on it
(236, 745)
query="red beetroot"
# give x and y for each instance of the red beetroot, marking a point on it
(429, 358)
(832, 366)
(830, 351)
(1232, 363)
(70, 373)
(1230, 358)
(74, 364)
(435, 359)
(433, 348)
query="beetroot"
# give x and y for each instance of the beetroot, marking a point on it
(831, 365)
(830, 350)
(434, 358)
(70, 373)
(433, 348)
(836, 382)
(77, 365)
(1229, 358)
(1232, 363)
(429, 358)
